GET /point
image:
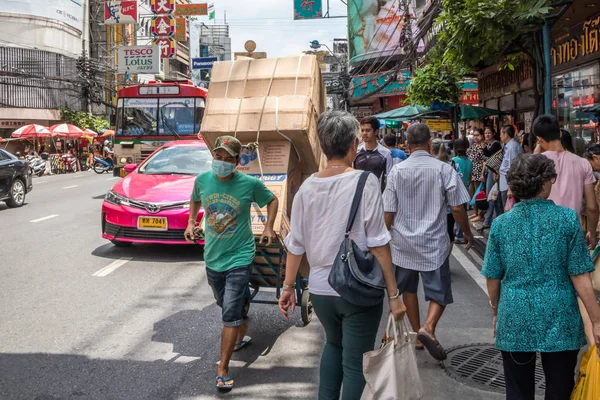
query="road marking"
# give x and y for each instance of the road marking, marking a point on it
(38, 182)
(44, 218)
(113, 178)
(112, 267)
(78, 175)
(470, 268)
(71, 187)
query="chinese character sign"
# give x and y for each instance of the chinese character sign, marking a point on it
(163, 25)
(308, 9)
(181, 30)
(167, 46)
(191, 9)
(162, 6)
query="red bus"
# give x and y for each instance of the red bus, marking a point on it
(152, 113)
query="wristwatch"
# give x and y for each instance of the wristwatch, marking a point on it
(292, 286)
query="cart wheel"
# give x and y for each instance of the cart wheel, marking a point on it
(306, 308)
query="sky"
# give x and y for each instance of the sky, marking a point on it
(271, 25)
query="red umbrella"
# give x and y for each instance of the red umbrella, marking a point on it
(31, 131)
(66, 131)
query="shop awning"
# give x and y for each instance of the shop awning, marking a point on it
(474, 112)
(403, 112)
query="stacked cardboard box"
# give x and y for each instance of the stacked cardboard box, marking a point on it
(268, 100)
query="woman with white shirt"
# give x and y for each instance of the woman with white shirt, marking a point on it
(318, 222)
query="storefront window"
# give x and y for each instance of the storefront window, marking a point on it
(573, 95)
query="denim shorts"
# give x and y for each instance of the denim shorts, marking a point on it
(231, 292)
(436, 284)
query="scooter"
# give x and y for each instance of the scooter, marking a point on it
(102, 165)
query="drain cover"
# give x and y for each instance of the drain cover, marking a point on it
(480, 366)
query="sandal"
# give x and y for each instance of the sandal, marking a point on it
(224, 385)
(433, 346)
(240, 345)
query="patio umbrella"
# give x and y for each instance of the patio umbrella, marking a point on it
(66, 131)
(108, 133)
(403, 112)
(90, 133)
(31, 131)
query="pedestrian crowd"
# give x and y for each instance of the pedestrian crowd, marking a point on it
(400, 219)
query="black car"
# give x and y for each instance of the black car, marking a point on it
(15, 179)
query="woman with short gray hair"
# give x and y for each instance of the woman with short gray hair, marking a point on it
(320, 213)
(536, 261)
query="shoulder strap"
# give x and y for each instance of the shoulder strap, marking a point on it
(356, 202)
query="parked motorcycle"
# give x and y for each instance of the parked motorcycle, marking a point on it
(37, 165)
(102, 165)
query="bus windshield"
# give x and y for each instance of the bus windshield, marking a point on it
(159, 116)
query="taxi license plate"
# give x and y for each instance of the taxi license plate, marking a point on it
(152, 223)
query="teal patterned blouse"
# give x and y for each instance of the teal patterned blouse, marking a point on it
(534, 249)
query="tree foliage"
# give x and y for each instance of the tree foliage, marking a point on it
(484, 32)
(83, 120)
(434, 82)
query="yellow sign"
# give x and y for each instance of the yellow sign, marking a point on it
(439, 125)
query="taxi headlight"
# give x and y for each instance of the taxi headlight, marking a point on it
(117, 199)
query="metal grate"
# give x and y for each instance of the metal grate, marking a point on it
(480, 366)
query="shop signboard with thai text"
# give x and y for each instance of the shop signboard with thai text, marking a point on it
(439, 125)
(139, 60)
(363, 85)
(581, 43)
(308, 9)
(120, 12)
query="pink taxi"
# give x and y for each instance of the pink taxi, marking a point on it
(151, 204)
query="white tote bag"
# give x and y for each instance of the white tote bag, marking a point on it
(391, 372)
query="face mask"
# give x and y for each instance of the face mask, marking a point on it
(223, 169)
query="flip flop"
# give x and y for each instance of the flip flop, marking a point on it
(433, 346)
(225, 386)
(242, 343)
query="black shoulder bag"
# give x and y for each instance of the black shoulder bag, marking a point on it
(356, 275)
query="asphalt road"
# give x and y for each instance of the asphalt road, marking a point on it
(150, 329)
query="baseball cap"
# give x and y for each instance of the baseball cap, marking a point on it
(229, 144)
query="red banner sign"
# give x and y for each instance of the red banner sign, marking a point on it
(163, 25)
(120, 12)
(162, 6)
(181, 30)
(167, 46)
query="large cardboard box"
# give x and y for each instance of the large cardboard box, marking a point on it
(269, 77)
(277, 165)
(279, 169)
(258, 119)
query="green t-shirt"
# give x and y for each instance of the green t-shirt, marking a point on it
(229, 241)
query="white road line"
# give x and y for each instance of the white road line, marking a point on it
(38, 182)
(112, 267)
(44, 218)
(113, 178)
(470, 268)
(71, 187)
(78, 175)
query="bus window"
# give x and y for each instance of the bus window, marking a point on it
(200, 106)
(176, 116)
(138, 117)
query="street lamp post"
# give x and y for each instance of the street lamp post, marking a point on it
(316, 45)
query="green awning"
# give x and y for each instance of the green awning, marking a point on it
(474, 112)
(403, 112)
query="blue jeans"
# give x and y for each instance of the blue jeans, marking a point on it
(231, 292)
(495, 205)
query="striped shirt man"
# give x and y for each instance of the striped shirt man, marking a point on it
(419, 191)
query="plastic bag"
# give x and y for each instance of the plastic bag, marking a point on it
(493, 193)
(587, 386)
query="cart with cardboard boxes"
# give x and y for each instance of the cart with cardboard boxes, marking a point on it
(271, 106)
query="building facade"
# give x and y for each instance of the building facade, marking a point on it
(40, 44)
